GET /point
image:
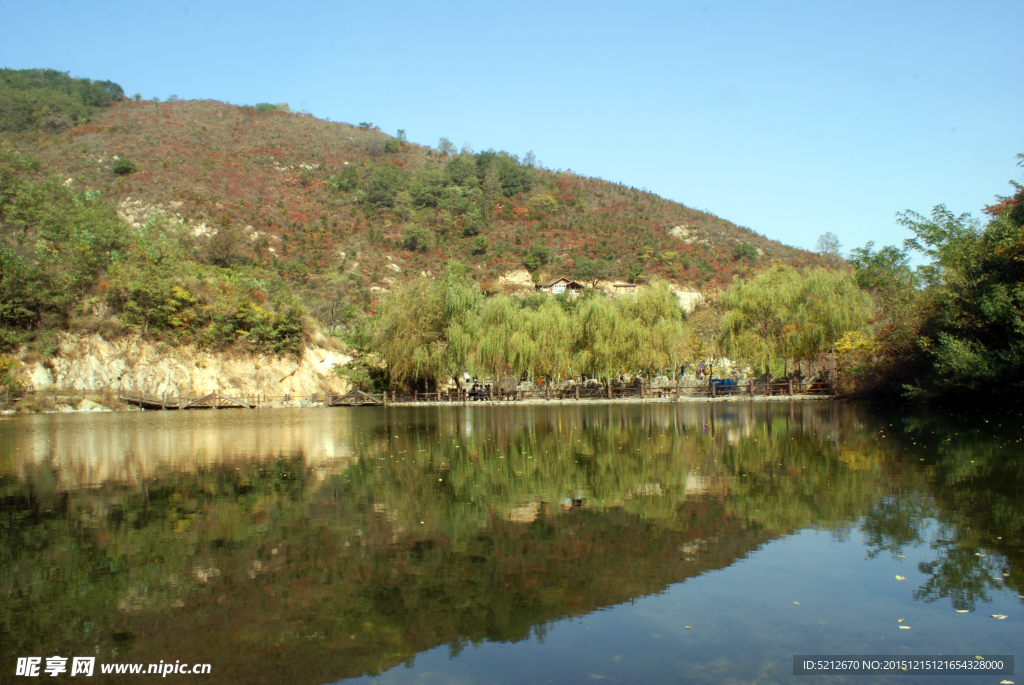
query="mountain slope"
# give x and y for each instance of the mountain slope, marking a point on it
(300, 192)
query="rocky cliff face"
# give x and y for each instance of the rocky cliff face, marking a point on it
(92, 363)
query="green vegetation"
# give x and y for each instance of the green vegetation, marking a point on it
(50, 100)
(782, 314)
(954, 328)
(65, 255)
(286, 215)
(123, 167)
(430, 332)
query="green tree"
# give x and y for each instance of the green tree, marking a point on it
(831, 305)
(598, 340)
(538, 256)
(546, 346)
(425, 330)
(385, 183)
(418, 239)
(592, 271)
(653, 321)
(762, 315)
(497, 346)
(974, 334)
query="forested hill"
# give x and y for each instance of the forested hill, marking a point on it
(220, 224)
(304, 194)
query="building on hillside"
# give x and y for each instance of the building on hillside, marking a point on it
(559, 285)
(621, 288)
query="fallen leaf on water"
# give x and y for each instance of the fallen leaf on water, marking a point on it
(978, 554)
(1005, 682)
(962, 611)
(689, 628)
(1000, 616)
(796, 602)
(900, 578)
(902, 556)
(904, 627)
(1020, 596)
(900, 621)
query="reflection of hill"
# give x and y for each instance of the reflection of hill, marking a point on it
(217, 538)
(128, 448)
(327, 611)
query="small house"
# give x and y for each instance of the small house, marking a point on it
(559, 285)
(625, 288)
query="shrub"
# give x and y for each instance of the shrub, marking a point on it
(387, 180)
(538, 256)
(124, 167)
(473, 223)
(745, 251)
(418, 239)
(346, 179)
(392, 145)
(12, 379)
(479, 246)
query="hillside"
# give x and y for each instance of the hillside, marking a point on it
(268, 215)
(269, 175)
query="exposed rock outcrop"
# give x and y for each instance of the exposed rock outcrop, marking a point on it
(90, 362)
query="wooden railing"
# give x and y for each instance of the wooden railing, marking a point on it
(710, 388)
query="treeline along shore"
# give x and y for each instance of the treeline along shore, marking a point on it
(402, 272)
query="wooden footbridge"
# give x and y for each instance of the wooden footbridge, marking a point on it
(214, 400)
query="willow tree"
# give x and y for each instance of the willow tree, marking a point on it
(832, 304)
(548, 340)
(652, 321)
(599, 344)
(762, 315)
(496, 348)
(460, 308)
(425, 330)
(407, 333)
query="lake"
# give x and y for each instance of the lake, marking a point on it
(641, 543)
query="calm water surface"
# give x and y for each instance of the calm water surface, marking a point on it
(697, 543)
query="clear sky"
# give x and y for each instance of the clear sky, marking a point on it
(790, 118)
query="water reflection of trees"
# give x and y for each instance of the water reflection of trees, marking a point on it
(962, 492)
(459, 526)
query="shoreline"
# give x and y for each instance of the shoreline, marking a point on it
(307, 404)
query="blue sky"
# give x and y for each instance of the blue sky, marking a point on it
(790, 118)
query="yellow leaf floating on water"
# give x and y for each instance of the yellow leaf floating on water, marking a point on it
(900, 578)
(904, 627)
(689, 628)
(900, 621)
(902, 556)
(962, 611)
(1000, 616)
(1005, 682)
(796, 602)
